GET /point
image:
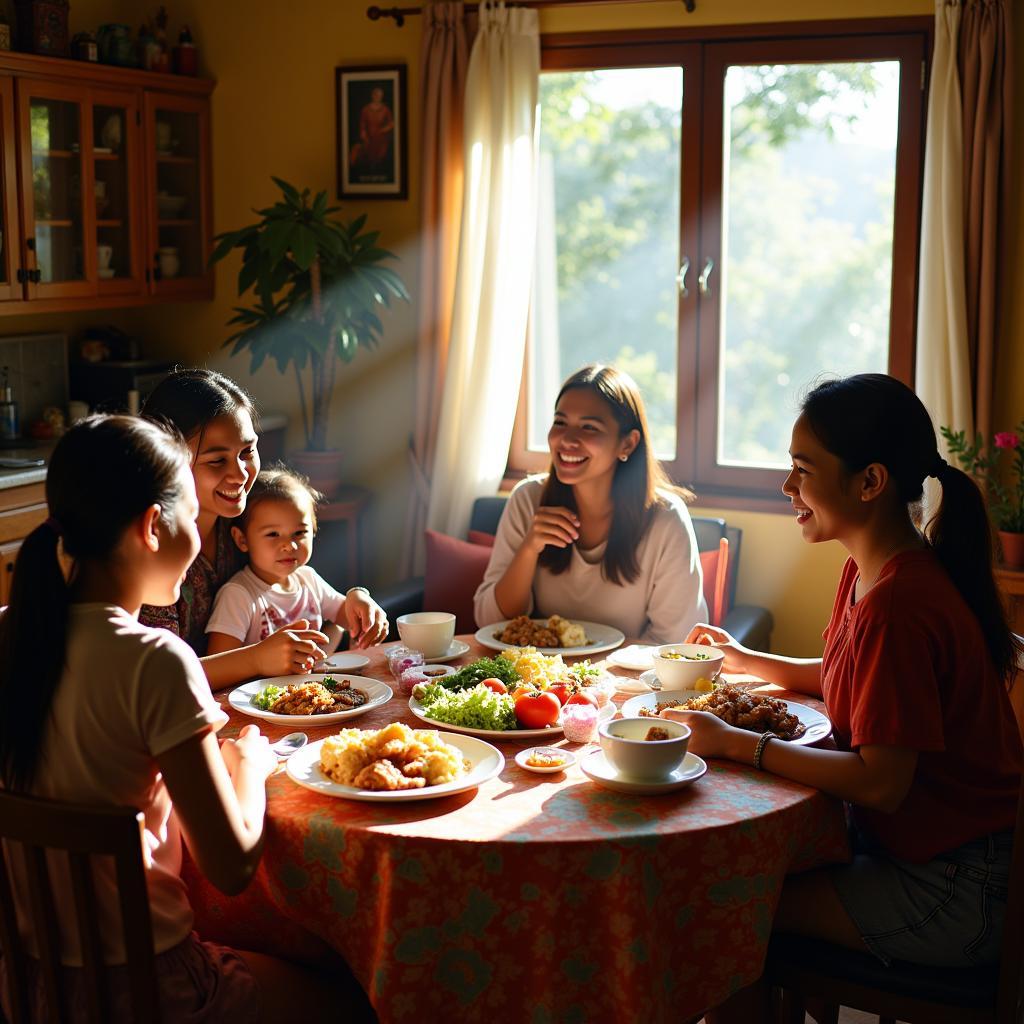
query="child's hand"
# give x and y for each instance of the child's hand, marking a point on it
(252, 747)
(292, 649)
(735, 652)
(366, 621)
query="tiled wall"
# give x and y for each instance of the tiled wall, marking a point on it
(37, 367)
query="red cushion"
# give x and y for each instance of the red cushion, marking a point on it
(455, 568)
(479, 537)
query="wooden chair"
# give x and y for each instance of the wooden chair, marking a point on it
(715, 565)
(32, 826)
(803, 967)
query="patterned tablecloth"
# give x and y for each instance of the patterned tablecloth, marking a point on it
(536, 898)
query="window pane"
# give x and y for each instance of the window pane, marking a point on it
(809, 178)
(608, 238)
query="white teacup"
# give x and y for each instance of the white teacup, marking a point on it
(626, 748)
(429, 632)
(104, 253)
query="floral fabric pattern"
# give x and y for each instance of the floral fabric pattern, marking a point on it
(534, 898)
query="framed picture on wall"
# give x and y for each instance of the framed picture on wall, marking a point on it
(372, 132)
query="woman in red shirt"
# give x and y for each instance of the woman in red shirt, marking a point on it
(914, 675)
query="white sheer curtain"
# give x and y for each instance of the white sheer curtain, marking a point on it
(495, 268)
(943, 377)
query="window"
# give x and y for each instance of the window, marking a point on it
(726, 220)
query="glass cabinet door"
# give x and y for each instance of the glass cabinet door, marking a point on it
(116, 192)
(55, 179)
(12, 274)
(177, 144)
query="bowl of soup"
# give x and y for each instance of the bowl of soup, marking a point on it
(679, 666)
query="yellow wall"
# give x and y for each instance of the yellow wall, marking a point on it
(273, 113)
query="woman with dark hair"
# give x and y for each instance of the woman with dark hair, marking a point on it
(917, 659)
(605, 537)
(218, 421)
(111, 712)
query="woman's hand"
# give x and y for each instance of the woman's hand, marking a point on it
(366, 621)
(292, 649)
(554, 525)
(709, 735)
(735, 653)
(253, 748)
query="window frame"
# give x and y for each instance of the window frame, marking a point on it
(704, 54)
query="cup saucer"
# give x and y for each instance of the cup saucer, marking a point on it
(456, 649)
(598, 768)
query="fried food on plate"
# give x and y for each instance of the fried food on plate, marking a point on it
(393, 758)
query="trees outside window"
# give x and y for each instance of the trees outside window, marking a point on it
(727, 221)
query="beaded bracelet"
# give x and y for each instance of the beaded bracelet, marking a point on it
(353, 589)
(762, 742)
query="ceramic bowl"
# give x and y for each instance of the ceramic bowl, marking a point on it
(625, 746)
(429, 632)
(690, 663)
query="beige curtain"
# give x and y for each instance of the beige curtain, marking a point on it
(943, 368)
(986, 84)
(495, 266)
(966, 180)
(444, 56)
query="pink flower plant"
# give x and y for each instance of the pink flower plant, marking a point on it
(1003, 487)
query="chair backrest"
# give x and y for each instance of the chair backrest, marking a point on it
(31, 826)
(715, 564)
(1010, 998)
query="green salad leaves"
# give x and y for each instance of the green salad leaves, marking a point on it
(485, 668)
(474, 708)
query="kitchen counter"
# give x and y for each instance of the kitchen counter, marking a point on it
(19, 477)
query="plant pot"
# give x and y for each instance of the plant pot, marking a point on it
(323, 469)
(1013, 549)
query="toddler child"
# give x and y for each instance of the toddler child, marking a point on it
(277, 587)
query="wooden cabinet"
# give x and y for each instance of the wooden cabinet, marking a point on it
(106, 186)
(22, 509)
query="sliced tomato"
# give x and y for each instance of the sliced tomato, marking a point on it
(537, 710)
(583, 698)
(494, 684)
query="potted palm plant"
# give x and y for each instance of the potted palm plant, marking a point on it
(318, 285)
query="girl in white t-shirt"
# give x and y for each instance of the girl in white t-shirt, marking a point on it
(102, 710)
(278, 586)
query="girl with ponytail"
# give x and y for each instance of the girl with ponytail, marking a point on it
(101, 710)
(917, 658)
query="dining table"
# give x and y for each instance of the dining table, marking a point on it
(536, 898)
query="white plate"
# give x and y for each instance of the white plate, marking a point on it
(596, 766)
(608, 711)
(303, 767)
(635, 657)
(818, 726)
(378, 693)
(570, 760)
(345, 661)
(456, 649)
(602, 638)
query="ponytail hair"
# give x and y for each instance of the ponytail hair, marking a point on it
(103, 474)
(872, 417)
(635, 486)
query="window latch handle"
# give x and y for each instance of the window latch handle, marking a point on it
(684, 269)
(702, 281)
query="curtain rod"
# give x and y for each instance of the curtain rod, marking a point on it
(399, 14)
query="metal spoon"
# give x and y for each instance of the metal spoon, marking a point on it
(287, 745)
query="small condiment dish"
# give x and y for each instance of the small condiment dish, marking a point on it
(679, 666)
(625, 747)
(523, 758)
